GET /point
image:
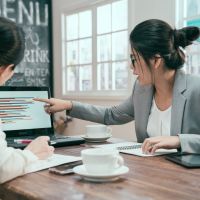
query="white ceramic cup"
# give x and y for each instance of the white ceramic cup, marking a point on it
(101, 161)
(98, 131)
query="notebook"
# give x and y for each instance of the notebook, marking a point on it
(24, 118)
(135, 149)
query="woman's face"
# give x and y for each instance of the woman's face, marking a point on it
(141, 69)
(6, 72)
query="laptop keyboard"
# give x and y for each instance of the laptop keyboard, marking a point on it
(65, 141)
(54, 141)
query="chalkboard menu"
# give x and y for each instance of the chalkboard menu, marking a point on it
(34, 16)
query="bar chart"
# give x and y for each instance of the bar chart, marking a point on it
(15, 109)
(19, 110)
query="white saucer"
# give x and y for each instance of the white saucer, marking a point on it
(89, 139)
(80, 170)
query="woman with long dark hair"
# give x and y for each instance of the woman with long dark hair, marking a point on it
(164, 102)
(14, 161)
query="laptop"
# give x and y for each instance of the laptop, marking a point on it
(23, 118)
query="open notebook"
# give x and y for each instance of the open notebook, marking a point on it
(135, 149)
(54, 160)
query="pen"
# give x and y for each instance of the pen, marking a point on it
(27, 141)
(23, 141)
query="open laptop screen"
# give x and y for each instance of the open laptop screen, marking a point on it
(18, 110)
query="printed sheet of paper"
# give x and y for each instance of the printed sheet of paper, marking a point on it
(54, 160)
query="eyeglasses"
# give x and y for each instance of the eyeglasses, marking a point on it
(133, 60)
(13, 67)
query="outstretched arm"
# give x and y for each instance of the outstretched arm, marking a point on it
(53, 105)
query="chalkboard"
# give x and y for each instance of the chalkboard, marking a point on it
(34, 16)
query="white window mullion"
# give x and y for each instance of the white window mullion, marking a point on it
(111, 63)
(94, 48)
(184, 16)
(64, 66)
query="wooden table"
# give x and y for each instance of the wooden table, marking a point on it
(148, 178)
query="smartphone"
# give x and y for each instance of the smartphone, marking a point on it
(65, 169)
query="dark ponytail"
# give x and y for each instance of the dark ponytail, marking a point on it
(154, 36)
(185, 36)
(12, 42)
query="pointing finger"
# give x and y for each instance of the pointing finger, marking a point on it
(42, 100)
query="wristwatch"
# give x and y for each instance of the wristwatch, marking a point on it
(68, 111)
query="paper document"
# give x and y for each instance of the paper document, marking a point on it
(54, 160)
(135, 149)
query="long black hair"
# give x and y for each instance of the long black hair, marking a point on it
(12, 43)
(155, 36)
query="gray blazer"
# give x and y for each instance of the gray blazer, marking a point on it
(185, 115)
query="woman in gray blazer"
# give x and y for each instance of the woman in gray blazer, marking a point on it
(164, 102)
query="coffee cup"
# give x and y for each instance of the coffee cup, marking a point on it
(101, 161)
(98, 131)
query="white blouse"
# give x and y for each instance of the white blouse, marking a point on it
(12, 161)
(159, 122)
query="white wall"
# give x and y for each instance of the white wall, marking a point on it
(139, 10)
(155, 9)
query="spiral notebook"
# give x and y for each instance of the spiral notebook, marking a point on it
(135, 149)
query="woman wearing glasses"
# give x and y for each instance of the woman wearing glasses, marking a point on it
(14, 161)
(164, 102)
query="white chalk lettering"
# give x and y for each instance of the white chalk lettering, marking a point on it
(36, 56)
(28, 13)
(36, 81)
(24, 11)
(38, 20)
(36, 72)
(7, 10)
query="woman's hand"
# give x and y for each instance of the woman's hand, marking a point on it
(55, 105)
(40, 147)
(150, 145)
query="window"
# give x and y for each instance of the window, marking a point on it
(77, 52)
(95, 50)
(188, 14)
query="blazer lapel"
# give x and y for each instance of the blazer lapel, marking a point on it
(178, 103)
(142, 106)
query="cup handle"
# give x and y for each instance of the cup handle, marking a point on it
(119, 161)
(109, 130)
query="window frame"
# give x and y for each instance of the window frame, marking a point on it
(181, 18)
(95, 94)
(180, 13)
